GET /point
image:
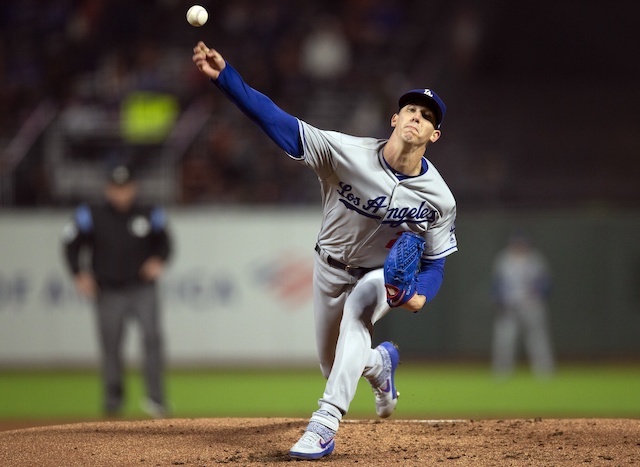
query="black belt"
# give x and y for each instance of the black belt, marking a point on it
(353, 270)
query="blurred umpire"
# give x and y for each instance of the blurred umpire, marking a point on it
(116, 252)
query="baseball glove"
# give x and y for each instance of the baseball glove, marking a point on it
(401, 268)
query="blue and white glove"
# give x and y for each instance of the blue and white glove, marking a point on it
(401, 268)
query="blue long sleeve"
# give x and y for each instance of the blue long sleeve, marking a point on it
(430, 278)
(280, 126)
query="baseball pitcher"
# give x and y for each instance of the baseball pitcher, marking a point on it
(388, 224)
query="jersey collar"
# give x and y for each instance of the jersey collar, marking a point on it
(401, 176)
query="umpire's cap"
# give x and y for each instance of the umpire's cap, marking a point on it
(121, 175)
(427, 97)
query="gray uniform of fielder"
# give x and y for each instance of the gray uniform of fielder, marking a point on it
(521, 282)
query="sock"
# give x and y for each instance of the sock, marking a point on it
(374, 365)
(325, 432)
(326, 418)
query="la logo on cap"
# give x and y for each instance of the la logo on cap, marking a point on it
(428, 92)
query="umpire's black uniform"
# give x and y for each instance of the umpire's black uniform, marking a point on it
(120, 236)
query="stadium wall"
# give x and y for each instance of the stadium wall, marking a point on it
(238, 290)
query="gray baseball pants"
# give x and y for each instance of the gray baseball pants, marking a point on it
(114, 308)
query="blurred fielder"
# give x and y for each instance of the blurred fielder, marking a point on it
(521, 284)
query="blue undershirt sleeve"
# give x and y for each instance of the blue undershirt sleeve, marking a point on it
(158, 218)
(280, 126)
(430, 277)
(84, 219)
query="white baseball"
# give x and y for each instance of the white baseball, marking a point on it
(197, 16)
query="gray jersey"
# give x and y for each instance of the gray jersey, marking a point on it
(521, 277)
(366, 206)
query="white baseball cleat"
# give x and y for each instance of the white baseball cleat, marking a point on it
(384, 386)
(316, 442)
(154, 409)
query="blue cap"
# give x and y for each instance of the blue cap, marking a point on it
(427, 97)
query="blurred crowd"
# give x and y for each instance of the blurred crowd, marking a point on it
(338, 64)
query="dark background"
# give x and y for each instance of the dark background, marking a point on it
(542, 96)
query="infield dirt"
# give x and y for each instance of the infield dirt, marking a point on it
(266, 442)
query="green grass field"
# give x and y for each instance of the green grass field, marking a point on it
(428, 391)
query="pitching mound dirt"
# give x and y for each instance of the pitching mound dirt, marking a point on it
(266, 442)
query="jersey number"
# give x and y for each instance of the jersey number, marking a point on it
(393, 240)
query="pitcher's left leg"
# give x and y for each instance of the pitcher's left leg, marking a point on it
(365, 305)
